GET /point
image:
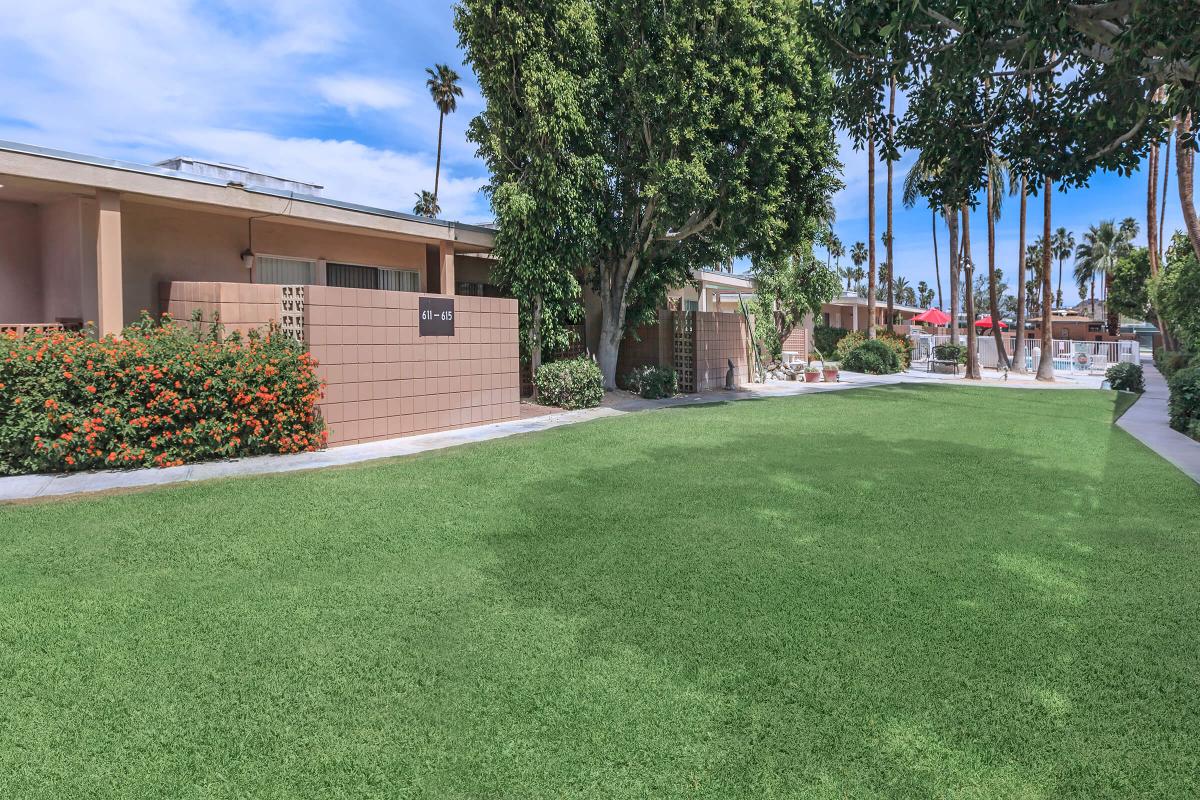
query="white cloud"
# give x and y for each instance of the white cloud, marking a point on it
(264, 83)
(348, 170)
(355, 93)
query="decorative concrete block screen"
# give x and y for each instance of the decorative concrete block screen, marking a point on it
(720, 336)
(382, 379)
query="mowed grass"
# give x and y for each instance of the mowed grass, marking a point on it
(896, 592)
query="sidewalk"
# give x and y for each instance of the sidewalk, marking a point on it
(1147, 421)
(29, 487)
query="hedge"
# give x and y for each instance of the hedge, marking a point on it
(874, 357)
(826, 338)
(653, 383)
(1125, 377)
(1184, 404)
(158, 395)
(571, 383)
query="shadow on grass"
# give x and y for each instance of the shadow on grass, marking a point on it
(865, 612)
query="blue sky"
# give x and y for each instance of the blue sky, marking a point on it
(332, 92)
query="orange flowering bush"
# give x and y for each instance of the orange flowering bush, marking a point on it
(158, 395)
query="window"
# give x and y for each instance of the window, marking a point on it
(399, 280)
(353, 276)
(691, 305)
(284, 271)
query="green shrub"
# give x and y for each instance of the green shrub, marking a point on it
(1126, 377)
(1184, 406)
(901, 344)
(653, 383)
(851, 340)
(874, 357)
(948, 351)
(826, 339)
(158, 395)
(1169, 362)
(571, 383)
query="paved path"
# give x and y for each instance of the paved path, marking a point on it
(29, 487)
(1147, 420)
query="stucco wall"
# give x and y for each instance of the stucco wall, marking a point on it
(163, 243)
(68, 231)
(20, 263)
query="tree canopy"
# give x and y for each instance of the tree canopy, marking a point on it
(637, 141)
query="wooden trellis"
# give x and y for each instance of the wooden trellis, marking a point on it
(683, 324)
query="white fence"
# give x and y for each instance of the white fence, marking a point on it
(1068, 355)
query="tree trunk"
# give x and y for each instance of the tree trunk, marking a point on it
(1112, 319)
(437, 172)
(1185, 165)
(1162, 211)
(955, 268)
(1045, 369)
(1058, 295)
(993, 300)
(891, 260)
(535, 346)
(1152, 209)
(937, 267)
(1092, 296)
(871, 235)
(614, 284)
(1018, 355)
(969, 288)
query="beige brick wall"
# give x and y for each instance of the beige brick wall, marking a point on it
(241, 306)
(720, 336)
(384, 380)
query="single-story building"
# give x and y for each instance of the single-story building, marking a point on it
(85, 239)
(90, 239)
(850, 312)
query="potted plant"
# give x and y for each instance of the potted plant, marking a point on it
(812, 374)
(829, 369)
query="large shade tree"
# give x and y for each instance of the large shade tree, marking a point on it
(706, 134)
(1106, 77)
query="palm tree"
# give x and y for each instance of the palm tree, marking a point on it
(427, 205)
(890, 236)
(997, 168)
(445, 91)
(836, 249)
(923, 171)
(902, 290)
(1045, 369)
(1099, 251)
(1062, 244)
(858, 254)
(924, 295)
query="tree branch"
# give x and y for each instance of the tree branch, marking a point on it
(694, 224)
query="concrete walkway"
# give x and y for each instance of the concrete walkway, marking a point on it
(29, 487)
(1147, 421)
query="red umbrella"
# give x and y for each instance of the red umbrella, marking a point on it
(934, 316)
(986, 322)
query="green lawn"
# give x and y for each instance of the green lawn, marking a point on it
(898, 592)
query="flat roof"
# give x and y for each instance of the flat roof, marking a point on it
(185, 177)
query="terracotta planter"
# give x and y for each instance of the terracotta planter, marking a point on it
(831, 375)
(812, 377)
